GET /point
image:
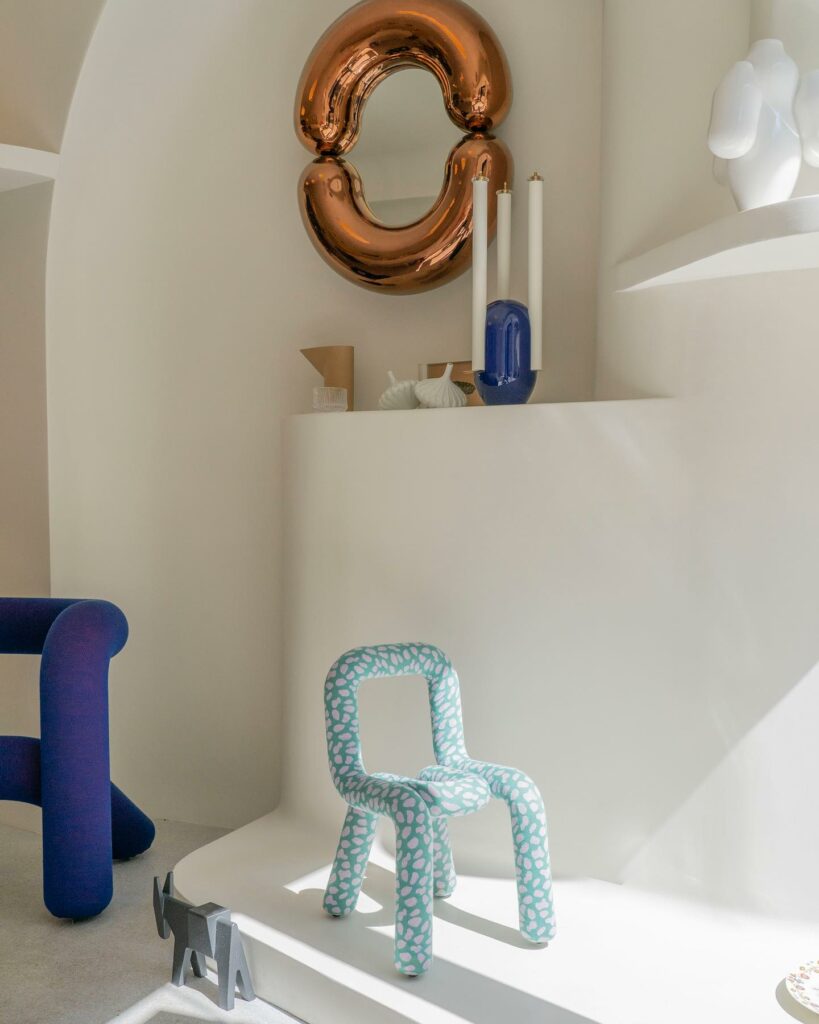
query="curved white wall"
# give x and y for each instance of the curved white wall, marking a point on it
(630, 594)
(181, 285)
(23, 447)
(741, 356)
(42, 46)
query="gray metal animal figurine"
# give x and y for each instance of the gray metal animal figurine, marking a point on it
(199, 932)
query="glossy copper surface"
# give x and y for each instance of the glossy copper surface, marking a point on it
(370, 41)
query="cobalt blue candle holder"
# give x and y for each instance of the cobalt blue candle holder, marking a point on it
(507, 377)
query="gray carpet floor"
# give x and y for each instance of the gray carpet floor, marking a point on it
(111, 968)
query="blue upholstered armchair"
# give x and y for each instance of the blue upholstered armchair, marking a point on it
(87, 821)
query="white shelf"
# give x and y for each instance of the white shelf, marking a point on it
(784, 236)
(20, 167)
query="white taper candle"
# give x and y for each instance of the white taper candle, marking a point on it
(536, 268)
(480, 238)
(504, 242)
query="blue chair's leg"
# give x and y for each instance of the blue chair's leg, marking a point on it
(444, 865)
(414, 883)
(350, 864)
(75, 777)
(20, 769)
(132, 832)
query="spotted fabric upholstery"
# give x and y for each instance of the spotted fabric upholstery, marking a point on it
(419, 807)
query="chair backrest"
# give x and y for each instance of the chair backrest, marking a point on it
(411, 659)
(25, 622)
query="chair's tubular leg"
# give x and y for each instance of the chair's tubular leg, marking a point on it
(530, 839)
(443, 863)
(74, 766)
(350, 864)
(532, 866)
(414, 884)
(20, 769)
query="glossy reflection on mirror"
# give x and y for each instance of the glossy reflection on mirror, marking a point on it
(405, 139)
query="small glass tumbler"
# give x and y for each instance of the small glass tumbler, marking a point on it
(329, 399)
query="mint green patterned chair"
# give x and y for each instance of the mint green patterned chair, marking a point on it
(419, 807)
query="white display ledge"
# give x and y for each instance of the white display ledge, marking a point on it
(493, 416)
(20, 167)
(622, 956)
(784, 236)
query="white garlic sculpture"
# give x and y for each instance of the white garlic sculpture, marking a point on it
(399, 395)
(440, 392)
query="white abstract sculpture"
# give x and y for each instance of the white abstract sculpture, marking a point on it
(807, 117)
(399, 395)
(753, 131)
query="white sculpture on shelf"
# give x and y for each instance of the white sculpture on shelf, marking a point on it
(399, 395)
(754, 134)
(807, 117)
(440, 392)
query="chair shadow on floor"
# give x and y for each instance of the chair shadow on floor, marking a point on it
(379, 885)
(470, 994)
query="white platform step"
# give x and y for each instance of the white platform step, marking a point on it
(622, 956)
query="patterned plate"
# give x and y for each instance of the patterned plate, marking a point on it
(803, 985)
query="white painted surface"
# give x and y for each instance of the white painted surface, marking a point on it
(620, 957)
(41, 49)
(20, 167)
(24, 567)
(23, 454)
(546, 550)
(746, 836)
(740, 356)
(784, 236)
(181, 286)
(42, 46)
(795, 22)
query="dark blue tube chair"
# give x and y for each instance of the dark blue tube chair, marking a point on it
(87, 821)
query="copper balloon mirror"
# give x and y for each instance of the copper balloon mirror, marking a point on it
(403, 233)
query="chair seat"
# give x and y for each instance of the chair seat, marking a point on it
(446, 791)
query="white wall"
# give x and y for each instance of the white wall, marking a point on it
(795, 22)
(23, 459)
(672, 576)
(634, 583)
(42, 45)
(24, 566)
(742, 358)
(181, 285)
(545, 549)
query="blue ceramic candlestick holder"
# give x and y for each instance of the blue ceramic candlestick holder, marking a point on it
(507, 377)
